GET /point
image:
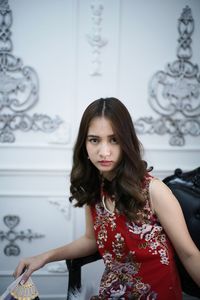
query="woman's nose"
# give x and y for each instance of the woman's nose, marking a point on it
(104, 150)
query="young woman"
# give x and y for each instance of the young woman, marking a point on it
(132, 218)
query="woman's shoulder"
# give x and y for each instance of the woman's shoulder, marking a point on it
(154, 181)
(154, 188)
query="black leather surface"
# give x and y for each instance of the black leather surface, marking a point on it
(186, 187)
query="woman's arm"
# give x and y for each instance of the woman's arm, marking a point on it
(83, 246)
(171, 217)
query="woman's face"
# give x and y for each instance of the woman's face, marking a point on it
(102, 146)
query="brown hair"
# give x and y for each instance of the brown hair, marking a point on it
(126, 185)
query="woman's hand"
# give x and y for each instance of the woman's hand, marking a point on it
(28, 266)
(83, 246)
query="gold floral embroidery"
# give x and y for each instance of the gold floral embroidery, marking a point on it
(103, 221)
(118, 245)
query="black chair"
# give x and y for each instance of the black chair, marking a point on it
(186, 188)
(74, 270)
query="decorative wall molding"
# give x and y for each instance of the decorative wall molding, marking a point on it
(61, 135)
(11, 235)
(174, 94)
(48, 159)
(19, 88)
(95, 38)
(62, 205)
(34, 171)
(57, 267)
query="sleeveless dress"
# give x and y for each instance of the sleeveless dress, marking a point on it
(138, 256)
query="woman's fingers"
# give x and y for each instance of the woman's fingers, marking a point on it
(20, 268)
(26, 276)
(28, 266)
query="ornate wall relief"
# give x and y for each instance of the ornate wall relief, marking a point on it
(61, 205)
(174, 94)
(19, 88)
(12, 236)
(95, 38)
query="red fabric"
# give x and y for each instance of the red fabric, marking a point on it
(138, 257)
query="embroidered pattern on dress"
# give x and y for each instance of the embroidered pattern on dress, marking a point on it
(102, 221)
(117, 279)
(151, 233)
(118, 245)
(156, 242)
(115, 286)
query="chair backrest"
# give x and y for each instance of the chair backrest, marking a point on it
(186, 188)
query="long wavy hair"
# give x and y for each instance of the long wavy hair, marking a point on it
(126, 185)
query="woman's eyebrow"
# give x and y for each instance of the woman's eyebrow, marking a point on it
(97, 136)
(92, 135)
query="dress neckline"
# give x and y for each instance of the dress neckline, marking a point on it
(105, 207)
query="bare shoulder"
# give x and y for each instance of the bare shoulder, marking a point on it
(157, 185)
(161, 196)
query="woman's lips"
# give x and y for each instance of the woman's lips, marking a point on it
(105, 162)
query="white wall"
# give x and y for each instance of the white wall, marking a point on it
(52, 37)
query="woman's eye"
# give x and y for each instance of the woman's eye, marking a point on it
(93, 141)
(114, 140)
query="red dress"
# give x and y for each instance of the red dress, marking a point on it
(138, 257)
